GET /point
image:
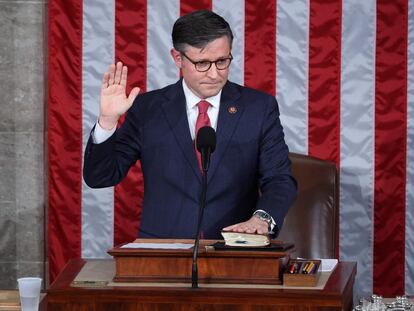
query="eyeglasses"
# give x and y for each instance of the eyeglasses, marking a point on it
(205, 65)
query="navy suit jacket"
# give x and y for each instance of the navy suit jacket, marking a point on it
(250, 155)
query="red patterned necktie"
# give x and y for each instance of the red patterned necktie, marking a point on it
(202, 120)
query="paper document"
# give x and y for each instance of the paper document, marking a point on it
(327, 265)
(158, 245)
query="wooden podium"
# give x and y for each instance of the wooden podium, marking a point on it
(150, 286)
(214, 266)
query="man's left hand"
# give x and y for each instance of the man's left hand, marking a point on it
(253, 225)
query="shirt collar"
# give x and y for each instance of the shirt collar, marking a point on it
(192, 100)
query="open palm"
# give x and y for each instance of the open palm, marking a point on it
(114, 101)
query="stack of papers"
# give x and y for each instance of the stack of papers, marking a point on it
(158, 245)
(327, 265)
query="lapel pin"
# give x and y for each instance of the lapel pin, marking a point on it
(232, 110)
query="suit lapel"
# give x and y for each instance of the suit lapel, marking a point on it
(228, 118)
(229, 114)
(175, 112)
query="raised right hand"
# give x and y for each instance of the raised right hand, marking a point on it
(114, 102)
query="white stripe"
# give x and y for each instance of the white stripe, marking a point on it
(161, 70)
(292, 42)
(233, 12)
(98, 53)
(409, 212)
(357, 135)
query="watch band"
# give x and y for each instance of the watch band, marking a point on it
(261, 214)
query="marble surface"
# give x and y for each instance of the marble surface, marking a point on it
(22, 143)
(8, 231)
(22, 65)
(8, 272)
(7, 167)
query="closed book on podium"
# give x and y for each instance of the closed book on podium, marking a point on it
(245, 239)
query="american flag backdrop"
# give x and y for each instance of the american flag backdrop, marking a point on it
(342, 72)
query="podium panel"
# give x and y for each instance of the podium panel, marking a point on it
(337, 294)
(258, 266)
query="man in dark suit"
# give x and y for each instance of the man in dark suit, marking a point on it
(250, 187)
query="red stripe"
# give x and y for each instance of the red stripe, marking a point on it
(64, 133)
(390, 148)
(260, 45)
(131, 49)
(324, 79)
(188, 6)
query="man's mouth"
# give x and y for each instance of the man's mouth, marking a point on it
(211, 83)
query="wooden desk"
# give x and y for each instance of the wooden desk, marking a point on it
(337, 295)
(10, 300)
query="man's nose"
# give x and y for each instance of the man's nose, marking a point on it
(213, 71)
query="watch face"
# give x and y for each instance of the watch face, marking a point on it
(263, 215)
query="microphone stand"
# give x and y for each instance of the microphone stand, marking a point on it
(194, 274)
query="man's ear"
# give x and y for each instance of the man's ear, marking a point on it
(176, 57)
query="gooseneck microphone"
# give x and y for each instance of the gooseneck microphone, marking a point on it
(206, 144)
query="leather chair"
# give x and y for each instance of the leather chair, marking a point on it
(312, 222)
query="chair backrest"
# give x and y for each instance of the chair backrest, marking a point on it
(312, 221)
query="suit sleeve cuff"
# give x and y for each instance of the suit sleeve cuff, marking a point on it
(99, 135)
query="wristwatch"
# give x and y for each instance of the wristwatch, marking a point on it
(262, 215)
(272, 227)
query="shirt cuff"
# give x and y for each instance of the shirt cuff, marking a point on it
(99, 135)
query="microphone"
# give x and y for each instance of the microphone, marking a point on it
(206, 144)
